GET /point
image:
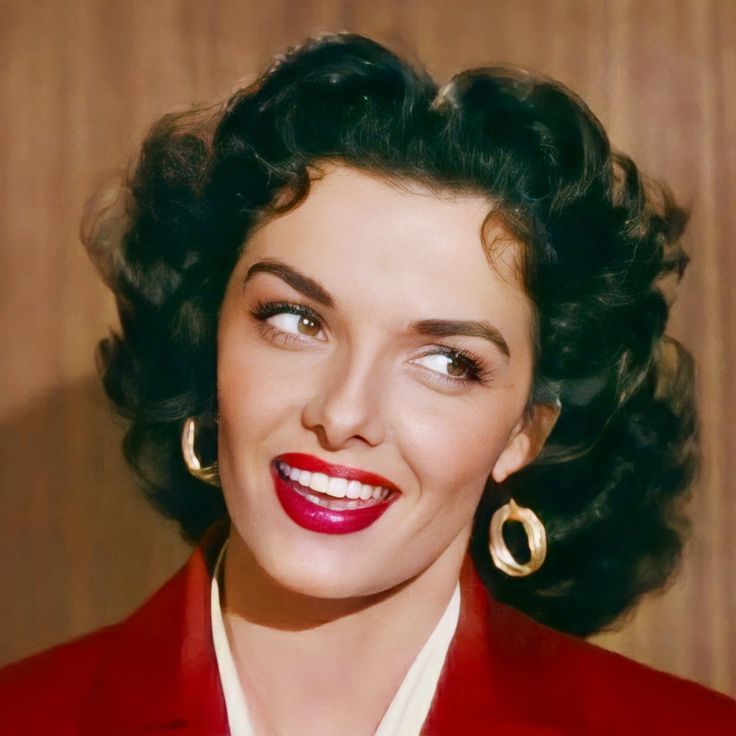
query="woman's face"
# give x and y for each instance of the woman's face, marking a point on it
(365, 333)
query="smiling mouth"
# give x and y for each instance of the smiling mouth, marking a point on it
(337, 494)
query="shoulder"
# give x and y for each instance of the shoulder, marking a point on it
(622, 691)
(51, 685)
(613, 694)
(505, 670)
(136, 676)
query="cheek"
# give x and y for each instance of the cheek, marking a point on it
(453, 447)
(254, 391)
(247, 392)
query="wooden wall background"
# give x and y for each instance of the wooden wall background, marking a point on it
(80, 81)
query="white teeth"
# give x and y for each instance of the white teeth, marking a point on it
(351, 505)
(335, 487)
(353, 490)
(318, 482)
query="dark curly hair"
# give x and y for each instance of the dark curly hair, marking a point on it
(600, 241)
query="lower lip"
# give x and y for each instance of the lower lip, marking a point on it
(321, 519)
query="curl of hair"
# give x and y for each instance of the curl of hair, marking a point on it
(600, 241)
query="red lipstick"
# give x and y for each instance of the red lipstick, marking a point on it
(320, 518)
(315, 465)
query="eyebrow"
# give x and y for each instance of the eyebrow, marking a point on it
(469, 328)
(428, 327)
(309, 287)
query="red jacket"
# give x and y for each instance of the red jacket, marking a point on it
(156, 673)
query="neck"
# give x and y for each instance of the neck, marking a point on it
(361, 647)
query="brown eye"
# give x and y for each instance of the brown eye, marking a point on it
(449, 365)
(456, 367)
(297, 324)
(309, 326)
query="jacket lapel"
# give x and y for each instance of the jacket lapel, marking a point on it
(160, 673)
(486, 686)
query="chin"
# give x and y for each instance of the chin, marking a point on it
(322, 576)
(320, 567)
(324, 587)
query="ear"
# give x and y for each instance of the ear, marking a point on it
(526, 440)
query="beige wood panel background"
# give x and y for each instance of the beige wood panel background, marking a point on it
(80, 80)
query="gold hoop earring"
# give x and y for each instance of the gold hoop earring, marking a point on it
(209, 473)
(535, 535)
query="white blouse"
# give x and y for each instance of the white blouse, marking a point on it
(409, 707)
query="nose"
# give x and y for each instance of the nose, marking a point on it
(346, 406)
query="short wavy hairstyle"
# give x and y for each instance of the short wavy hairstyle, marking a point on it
(600, 242)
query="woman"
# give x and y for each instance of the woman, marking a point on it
(368, 324)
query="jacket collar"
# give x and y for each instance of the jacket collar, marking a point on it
(485, 686)
(160, 673)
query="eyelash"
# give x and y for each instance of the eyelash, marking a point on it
(264, 310)
(478, 370)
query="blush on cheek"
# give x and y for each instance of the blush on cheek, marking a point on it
(455, 449)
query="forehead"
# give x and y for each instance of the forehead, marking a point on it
(401, 244)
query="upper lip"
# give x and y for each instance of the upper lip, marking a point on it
(316, 465)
